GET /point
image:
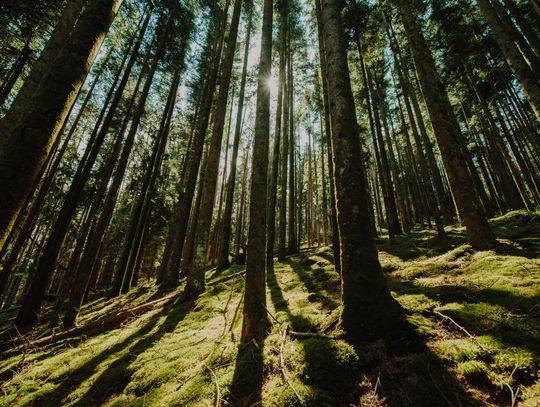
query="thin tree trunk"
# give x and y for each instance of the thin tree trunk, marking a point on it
(223, 251)
(274, 170)
(196, 278)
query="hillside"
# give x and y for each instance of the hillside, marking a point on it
(477, 313)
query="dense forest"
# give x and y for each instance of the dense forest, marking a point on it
(270, 202)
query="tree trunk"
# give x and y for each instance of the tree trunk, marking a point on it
(15, 71)
(179, 225)
(196, 278)
(328, 139)
(223, 250)
(526, 78)
(254, 314)
(26, 146)
(58, 39)
(274, 171)
(365, 295)
(448, 135)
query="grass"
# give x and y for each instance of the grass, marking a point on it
(188, 354)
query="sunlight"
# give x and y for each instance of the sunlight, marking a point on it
(273, 85)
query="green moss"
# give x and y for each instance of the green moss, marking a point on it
(474, 371)
(183, 355)
(331, 365)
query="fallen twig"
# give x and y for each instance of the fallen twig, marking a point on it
(227, 278)
(462, 329)
(311, 335)
(374, 396)
(513, 393)
(282, 363)
(217, 401)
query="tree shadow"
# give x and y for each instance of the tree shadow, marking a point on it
(421, 243)
(409, 373)
(511, 331)
(115, 377)
(276, 294)
(318, 281)
(247, 382)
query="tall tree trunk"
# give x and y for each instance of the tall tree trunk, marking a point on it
(223, 250)
(448, 135)
(196, 278)
(293, 236)
(282, 222)
(179, 224)
(254, 314)
(34, 210)
(26, 146)
(274, 170)
(328, 138)
(137, 226)
(365, 295)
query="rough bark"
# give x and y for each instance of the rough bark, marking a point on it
(196, 277)
(365, 295)
(254, 314)
(448, 135)
(26, 146)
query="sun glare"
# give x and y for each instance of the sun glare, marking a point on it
(272, 83)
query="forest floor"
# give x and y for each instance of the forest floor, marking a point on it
(477, 312)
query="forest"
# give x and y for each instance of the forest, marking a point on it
(270, 203)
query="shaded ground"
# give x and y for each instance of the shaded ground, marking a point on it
(188, 355)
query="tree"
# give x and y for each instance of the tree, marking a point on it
(365, 295)
(254, 314)
(525, 74)
(196, 277)
(447, 133)
(25, 147)
(223, 248)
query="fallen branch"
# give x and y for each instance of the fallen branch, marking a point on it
(311, 335)
(4, 311)
(462, 329)
(99, 325)
(217, 402)
(227, 278)
(282, 364)
(374, 396)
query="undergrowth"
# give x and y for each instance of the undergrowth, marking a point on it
(477, 312)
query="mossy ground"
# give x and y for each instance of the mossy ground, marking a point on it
(188, 354)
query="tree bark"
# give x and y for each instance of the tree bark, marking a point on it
(26, 146)
(448, 135)
(365, 295)
(254, 314)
